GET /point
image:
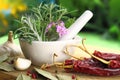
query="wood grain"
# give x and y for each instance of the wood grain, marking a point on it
(5, 76)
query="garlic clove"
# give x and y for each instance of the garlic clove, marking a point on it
(22, 64)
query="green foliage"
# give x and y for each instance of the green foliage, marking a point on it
(4, 65)
(23, 77)
(34, 23)
(114, 31)
(114, 10)
(106, 15)
(80, 5)
(31, 3)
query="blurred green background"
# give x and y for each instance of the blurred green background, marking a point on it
(104, 27)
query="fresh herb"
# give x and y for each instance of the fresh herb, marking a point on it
(35, 23)
(64, 77)
(4, 63)
(6, 67)
(3, 57)
(23, 77)
(39, 74)
(46, 74)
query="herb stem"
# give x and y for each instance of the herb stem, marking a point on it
(50, 13)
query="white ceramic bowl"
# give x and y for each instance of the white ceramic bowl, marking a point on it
(42, 52)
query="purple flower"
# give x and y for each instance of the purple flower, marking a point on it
(49, 26)
(60, 29)
(62, 23)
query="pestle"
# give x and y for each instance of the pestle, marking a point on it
(74, 29)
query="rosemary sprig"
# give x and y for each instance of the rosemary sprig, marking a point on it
(34, 23)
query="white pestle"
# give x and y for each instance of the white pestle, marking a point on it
(74, 29)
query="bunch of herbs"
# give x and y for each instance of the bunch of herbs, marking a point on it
(33, 24)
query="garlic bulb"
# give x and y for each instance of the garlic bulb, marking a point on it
(10, 47)
(22, 63)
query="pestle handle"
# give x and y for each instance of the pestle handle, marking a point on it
(74, 29)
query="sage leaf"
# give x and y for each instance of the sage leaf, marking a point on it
(3, 57)
(23, 77)
(10, 60)
(63, 77)
(45, 74)
(6, 67)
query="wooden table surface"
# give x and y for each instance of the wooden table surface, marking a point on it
(12, 75)
(5, 76)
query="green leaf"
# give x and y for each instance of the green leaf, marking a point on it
(66, 77)
(6, 67)
(10, 60)
(114, 9)
(3, 57)
(63, 77)
(114, 29)
(45, 74)
(23, 77)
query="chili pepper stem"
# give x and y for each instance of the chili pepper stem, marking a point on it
(57, 64)
(60, 65)
(66, 52)
(64, 66)
(85, 50)
(54, 56)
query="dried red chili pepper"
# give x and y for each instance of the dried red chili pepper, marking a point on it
(107, 56)
(92, 66)
(113, 58)
(114, 64)
(101, 64)
(89, 66)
